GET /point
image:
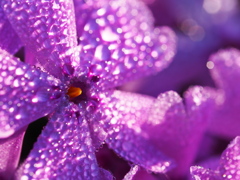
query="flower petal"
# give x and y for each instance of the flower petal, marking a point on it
(130, 175)
(126, 137)
(172, 126)
(63, 151)
(226, 72)
(10, 150)
(48, 31)
(26, 94)
(118, 42)
(200, 173)
(230, 162)
(9, 40)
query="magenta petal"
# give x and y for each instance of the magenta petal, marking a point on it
(177, 130)
(9, 40)
(200, 173)
(48, 31)
(229, 165)
(130, 175)
(63, 151)
(118, 42)
(230, 160)
(226, 72)
(98, 133)
(10, 149)
(26, 94)
(126, 137)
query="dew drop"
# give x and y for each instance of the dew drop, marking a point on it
(108, 35)
(102, 52)
(19, 71)
(11, 109)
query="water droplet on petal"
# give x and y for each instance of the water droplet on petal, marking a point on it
(108, 35)
(19, 71)
(18, 116)
(35, 100)
(102, 52)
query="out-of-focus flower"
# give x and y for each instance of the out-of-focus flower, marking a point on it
(176, 125)
(202, 27)
(200, 34)
(225, 69)
(77, 63)
(228, 168)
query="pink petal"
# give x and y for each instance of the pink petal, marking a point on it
(64, 150)
(26, 94)
(230, 160)
(118, 42)
(200, 173)
(9, 40)
(126, 137)
(10, 149)
(130, 175)
(177, 129)
(229, 165)
(226, 72)
(48, 31)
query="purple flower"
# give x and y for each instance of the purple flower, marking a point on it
(225, 69)
(77, 60)
(176, 126)
(228, 168)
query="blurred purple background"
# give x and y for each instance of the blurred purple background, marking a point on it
(202, 27)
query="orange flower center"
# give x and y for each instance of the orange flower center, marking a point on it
(74, 92)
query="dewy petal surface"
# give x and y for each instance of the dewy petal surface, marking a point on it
(126, 137)
(200, 173)
(10, 150)
(118, 42)
(176, 128)
(9, 39)
(64, 150)
(230, 160)
(226, 73)
(130, 175)
(26, 94)
(48, 31)
(229, 165)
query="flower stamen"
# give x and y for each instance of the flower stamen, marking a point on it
(74, 92)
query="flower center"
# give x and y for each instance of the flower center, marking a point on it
(74, 92)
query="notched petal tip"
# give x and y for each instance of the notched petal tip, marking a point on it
(167, 36)
(227, 56)
(199, 96)
(223, 66)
